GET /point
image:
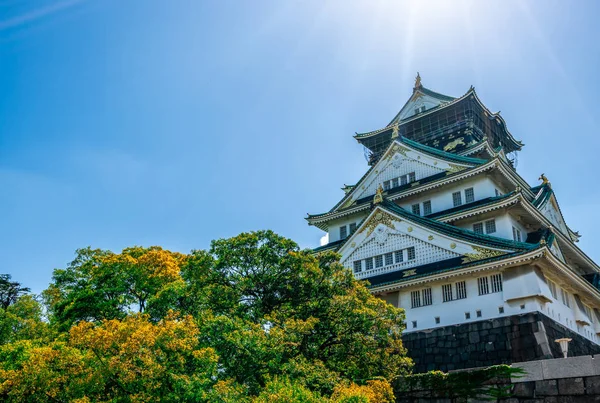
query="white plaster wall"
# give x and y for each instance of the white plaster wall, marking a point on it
(504, 224)
(334, 226)
(441, 199)
(453, 312)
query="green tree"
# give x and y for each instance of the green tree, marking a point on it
(10, 291)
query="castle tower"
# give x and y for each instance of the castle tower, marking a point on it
(442, 225)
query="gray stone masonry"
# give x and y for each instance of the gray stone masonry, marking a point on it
(518, 338)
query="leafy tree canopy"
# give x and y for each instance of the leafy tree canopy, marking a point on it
(254, 318)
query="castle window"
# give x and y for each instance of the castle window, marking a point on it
(427, 207)
(478, 312)
(469, 195)
(421, 298)
(343, 232)
(565, 298)
(467, 315)
(412, 177)
(414, 324)
(496, 282)
(500, 309)
(416, 209)
(379, 261)
(516, 234)
(437, 320)
(389, 259)
(447, 292)
(461, 290)
(399, 255)
(478, 228)
(456, 199)
(490, 226)
(395, 182)
(454, 291)
(403, 180)
(483, 285)
(411, 253)
(369, 264)
(386, 185)
(552, 287)
(357, 266)
(352, 227)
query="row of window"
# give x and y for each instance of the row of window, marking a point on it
(450, 292)
(387, 259)
(420, 109)
(346, 230)
(457, 199)
(401, 180)
(487, 227)
(416, 208)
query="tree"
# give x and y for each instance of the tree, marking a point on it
(273, 309)
(101, 285)
(10, 291)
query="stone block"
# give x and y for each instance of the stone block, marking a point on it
(592, 385)
(474, 337)
(533, 371)
(546, 388)
(571, 386)
(568, 367)
(524, 389)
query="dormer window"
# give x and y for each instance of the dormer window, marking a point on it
(420, 109)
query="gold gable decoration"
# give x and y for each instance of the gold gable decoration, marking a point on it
(380, 217)
(481, 253)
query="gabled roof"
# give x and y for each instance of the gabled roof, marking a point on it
(417, 92)
(465, 162)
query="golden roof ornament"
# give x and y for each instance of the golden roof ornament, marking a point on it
(418, 81)
(544, 180)
(378, 198)
(395, 133)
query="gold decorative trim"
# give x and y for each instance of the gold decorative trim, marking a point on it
(409, 273)
(455, 168)
(410, 229)
(452, 245)
(379, 218)
(430, 237)
(481, 253)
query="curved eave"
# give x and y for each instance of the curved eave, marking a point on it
(517, 145)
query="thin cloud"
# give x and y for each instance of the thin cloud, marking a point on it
(34, 15)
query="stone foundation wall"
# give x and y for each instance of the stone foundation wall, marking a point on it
(571, 380)
(506, 340)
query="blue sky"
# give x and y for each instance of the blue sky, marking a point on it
(173, 123)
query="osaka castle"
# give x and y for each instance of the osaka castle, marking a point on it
(442, 225)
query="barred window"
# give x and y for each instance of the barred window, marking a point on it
(427, 300)
(369, 264)
(552, 287)
(357, 266)
(461, 290)
(395, 182)
(447, 292)
(412, 177)
(386, 185)
(411, 253)
(496, 282)
(399, 255)
(483, 285)
(516, 234)
(427, 207)
(403, 180)
(352, 227)
(416, 209)
(389, 259)
(379, 261)
(415, 299)
(343, 232)
(456, 199)
(565, 298)
(478, 228)
(490, 226)
(469, 195)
